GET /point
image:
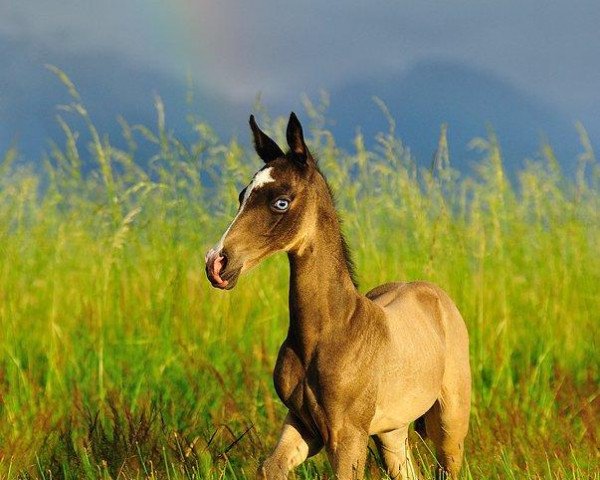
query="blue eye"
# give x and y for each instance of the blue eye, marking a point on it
(281, 204)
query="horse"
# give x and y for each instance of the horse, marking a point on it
(352, 366)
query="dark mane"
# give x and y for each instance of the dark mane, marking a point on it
(345, 248)
(348, 257)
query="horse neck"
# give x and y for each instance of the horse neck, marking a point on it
(322, 293)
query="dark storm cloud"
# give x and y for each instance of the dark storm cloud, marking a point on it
(239, 48)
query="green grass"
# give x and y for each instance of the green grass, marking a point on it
(118, 360)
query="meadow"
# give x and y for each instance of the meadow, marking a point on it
(118, 360)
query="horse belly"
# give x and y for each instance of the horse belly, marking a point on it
(410, 381)
(398, 408)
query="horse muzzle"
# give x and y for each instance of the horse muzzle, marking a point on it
(219, 270)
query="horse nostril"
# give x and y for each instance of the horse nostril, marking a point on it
(223, 261)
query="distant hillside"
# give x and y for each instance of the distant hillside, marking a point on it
(467, 99)
(109, 86)
(420, 100)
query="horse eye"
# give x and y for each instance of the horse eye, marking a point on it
(281, 204)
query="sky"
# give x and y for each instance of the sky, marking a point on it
(237, 49)
(546, 47)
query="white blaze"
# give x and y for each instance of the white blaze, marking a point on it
(261, 178)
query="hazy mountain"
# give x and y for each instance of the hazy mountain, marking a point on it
(420, 100)
(467, 99)
(109, 87)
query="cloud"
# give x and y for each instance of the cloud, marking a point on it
(121, 27)
(546, 48)
(283, 48)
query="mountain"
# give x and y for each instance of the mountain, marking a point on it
(420, 100)
(468, 100)
(109, 86)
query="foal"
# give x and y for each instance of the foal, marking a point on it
(352, 365)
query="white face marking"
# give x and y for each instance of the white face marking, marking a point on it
(261, 178)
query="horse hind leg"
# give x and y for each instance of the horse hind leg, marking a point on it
(447, 422)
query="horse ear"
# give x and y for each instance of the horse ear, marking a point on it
(266, 148)
(295, 139)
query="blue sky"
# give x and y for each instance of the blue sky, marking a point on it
(550, 50)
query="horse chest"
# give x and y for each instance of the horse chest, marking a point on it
(289, 375)
(319, 393)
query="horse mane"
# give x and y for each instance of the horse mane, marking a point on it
(345, 247)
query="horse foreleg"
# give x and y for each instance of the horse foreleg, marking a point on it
(348, 453)
(294, 446)
(395, 453)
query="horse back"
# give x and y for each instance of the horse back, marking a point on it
(423, 306)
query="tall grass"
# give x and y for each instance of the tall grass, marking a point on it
(117, 359)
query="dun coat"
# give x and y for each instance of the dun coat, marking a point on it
(352, 366)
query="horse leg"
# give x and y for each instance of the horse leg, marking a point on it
(395, 453)
(294, 446)
(348, 453)
(447, 422)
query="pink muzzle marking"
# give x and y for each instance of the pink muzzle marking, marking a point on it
(214, 266)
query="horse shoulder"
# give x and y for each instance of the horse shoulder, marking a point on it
(288, 375)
